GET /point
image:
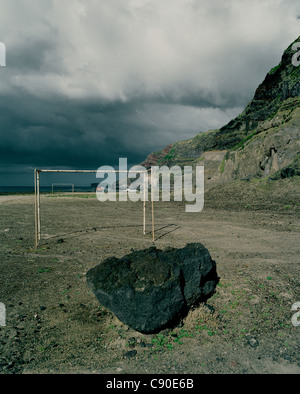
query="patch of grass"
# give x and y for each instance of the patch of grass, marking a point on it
(161, 342)
(182, 334)
(274, 69)
(90, 195)
(42, 270)
(241, 144)
(223, 284)
(222, 166)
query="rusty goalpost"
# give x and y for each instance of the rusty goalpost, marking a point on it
(37, 199)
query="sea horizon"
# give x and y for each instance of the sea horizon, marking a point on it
(43, 189)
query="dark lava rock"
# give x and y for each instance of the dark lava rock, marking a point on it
(152, 289)
(131, 354)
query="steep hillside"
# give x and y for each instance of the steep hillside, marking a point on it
(263, 141)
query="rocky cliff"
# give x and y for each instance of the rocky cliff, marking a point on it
(263, 141)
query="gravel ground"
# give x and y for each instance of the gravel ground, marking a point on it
(54, 324)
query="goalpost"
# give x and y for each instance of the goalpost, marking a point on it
(37, 199)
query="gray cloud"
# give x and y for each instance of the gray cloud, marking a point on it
(88, 82)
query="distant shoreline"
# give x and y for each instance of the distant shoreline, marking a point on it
(16, 193)
(28, 190)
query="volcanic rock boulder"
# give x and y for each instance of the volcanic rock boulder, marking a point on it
(151, 289)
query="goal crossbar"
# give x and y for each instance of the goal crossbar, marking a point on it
(37, 198)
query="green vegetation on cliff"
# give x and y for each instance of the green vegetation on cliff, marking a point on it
(274, 107)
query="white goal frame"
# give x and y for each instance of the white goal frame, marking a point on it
(37, 198)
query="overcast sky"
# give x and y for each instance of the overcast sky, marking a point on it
(89, 81)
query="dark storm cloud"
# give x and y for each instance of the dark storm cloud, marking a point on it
(87, 82)
(67, 132)
(63, 132)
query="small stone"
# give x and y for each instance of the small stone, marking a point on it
(131, 354)
(209, 309)
(253, 342)
(132, 342)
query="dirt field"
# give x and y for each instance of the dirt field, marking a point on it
(54, 324)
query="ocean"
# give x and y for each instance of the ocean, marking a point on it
(44, 189)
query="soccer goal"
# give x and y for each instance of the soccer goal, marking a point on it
(37, 176)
